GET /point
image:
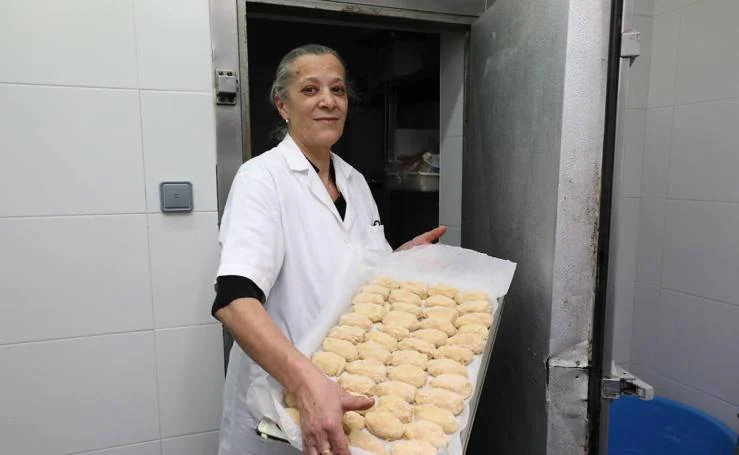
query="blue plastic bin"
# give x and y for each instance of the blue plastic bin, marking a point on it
(663, 426)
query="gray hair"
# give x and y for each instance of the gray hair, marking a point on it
(284, 75)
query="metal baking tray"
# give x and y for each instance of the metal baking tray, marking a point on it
(425, 182)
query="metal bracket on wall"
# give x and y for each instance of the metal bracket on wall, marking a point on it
(624, 383)
(227, 87)
(630, 44)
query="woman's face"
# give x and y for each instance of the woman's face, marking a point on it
(316, 103)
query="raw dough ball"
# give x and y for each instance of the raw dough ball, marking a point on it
(331, 364)
(404, 295)
(385, 281)
(356, 319)
(373, 350)
(290, 400)
(471, 295)
(350, 333)
(366, 441)
(368, 367)
(407, 447)
(443, 289)
(373, 311)
(368, 298)
(394, 405)
(401, 318)
(417, 344)
(426, 431)
(420, 289)
(453, 382)
(477, 329)
(440, 416)
(352, 421)
(440, 312)
(410, 374)
(294, 414)
(441, 324)
(474, 318)
(356, 383)
(384, 425)
(438, 367)
(394, 331)
(471, 341)
(474, 306)
(375, 289)
(442, 398)
(384, 339)
(408, 357)
(440, 300)
(397, 388)
(458, 353)
(341, 347)
(433, 336)
(411, 308)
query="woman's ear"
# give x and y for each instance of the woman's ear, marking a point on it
(281, 108)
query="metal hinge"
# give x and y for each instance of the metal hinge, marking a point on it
(227, 87)
(630, 44)
(624, 383)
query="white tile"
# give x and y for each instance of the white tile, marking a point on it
(147, 448)
(78, 394)
(701, 252)
(184, 259)
(174, 46)
(698, 342)
(452, 83)
(675, 391)
(644, 7)
(452, 237)
(73, 276)
(196, 444)
(663, 59)
(450, 182)
(651, 238)
(664, 6)
(634, 133)
(76, 42)
(645, 325)
(638, 88)
(72, 150)
(708, 67)
(179, 145)
(190, 374)
(627, 236)
(705, 152)
(657, 145)
(622, 320)
(691, 2)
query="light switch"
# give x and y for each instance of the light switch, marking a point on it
(176, 196)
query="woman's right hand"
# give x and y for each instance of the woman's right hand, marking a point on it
(322, 404)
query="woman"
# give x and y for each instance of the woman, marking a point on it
(293, 214)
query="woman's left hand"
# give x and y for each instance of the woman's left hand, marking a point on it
(424, 239)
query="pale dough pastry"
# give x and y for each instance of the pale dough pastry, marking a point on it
(384, 339)
(418, 344)
(471, 341)
(410, 374)
(368, 298)
(411, 308)
(373, 369)
(471, 295)
(350, 333)
(406, 447)
(375, 289)
(440, 416)
(385, 281)
(397, 388)
(454, 382)
(394, 405)
(401, 318)
(440, 300)
(394, 331)
(458, 353)
(366, 441)
(384, 425)
(424, 430)
(450, 314)
(408, 357)
(294, 414)
(443, 289)
(356, 383)
(341, 347)
(330, 363)
(474, 318)
(404, 295)
(438, 367)
(352, 420)
(373, 311)
(433, 336)
(474, 306)
(356, 319)
(373, 350)
(290, 400)
(418, 288)
(477, 329)
(442, 398)
(441, 324)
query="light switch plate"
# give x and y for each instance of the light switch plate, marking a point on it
(175, 196)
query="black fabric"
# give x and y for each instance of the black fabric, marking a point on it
(232, 287)
(340, 202)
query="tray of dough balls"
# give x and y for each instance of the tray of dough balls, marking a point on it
(417, 337)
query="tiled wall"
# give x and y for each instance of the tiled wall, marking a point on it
(106, 344)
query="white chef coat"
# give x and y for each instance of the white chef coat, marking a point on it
(281, 229)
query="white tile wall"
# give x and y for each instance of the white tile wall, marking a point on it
(70, 150)
(190, 376)
(663, 61)
(633, 152)
(196, 444)
(649, 247)
(623, 314)
(147, 448)
(657, 152)
(450, 182)
(638, 88)
(663, 6)
(78, 394)
(626, 239)
(644, 7)
(73, 276)
(645, 325)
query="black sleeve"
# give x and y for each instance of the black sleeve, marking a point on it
(232, 287)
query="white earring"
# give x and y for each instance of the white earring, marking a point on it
(287, 120)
